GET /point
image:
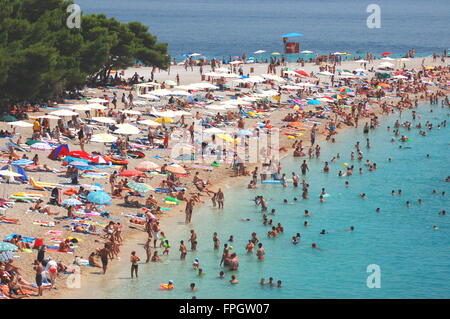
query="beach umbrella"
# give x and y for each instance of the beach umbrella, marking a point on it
(301, 72)
(48, 117)
(97, 106)
(170, 82)
(103, 138)
(306, 52)
(149, 123)
(292, 35)
(140, 187)
(99, 160)
(150, 97)
(325, 73)
(164, 120)
(132, 112)
(276, 53)
(127, 129)
(259, 52)
(80, 107)
(41, 147)
(146, 166)
(21, 124)
(8, 118)
(64, 113)
(245, 132)
(79, 164)
(6, 255)
(106, 120)
(130, 173)
(99, 197)
(176, 169)
(386, 53)
(214, 130)
(313, 102)
(4, 246)
(9, 173)
(195, 54)
(71, 202)
(22, 162)
(97, 100)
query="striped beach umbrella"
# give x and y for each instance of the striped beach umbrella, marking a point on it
(72, 202)
(99, 197)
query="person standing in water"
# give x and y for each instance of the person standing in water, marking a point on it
(260, 252)
(134, 264)
(220, 198)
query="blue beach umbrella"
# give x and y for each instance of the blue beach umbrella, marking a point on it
(99, 197)
(292, 35)
(72, 202)
(244, 132)
(313, 102)
(139, 187)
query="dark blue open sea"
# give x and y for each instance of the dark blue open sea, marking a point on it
(217, 28)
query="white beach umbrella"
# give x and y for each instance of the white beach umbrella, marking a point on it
(236, 62)
(149, 123)
(386, 58)
(20, 124)
(195, 54)
(306, 52)
(386, 65)
(103, 138)
(168, 113)
(361, 61)
(179, 93)
(9, 173)
(64, 113)
(131, 112)
(80, 107)
(213, 130)
(149, 97)
(259, 52)
(97, 100)
(161, 92)
(127, 129)
(49, 117)
(216, 107)
(97, 106)
(106, 120)
(326, 73)
(41, 147)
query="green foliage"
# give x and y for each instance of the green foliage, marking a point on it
(40, 56)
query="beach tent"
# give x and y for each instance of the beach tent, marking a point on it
(16, 169)
(59, 152)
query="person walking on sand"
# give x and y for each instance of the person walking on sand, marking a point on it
(104, 253)
(38, 268)
(134, 264)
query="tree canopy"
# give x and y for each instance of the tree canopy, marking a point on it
(40, 55)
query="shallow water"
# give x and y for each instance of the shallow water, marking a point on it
(217, 28)
(414, 259)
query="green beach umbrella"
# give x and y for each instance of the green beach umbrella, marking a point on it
(140, 187)
(31, 142)
(8, 118)
(7, 247)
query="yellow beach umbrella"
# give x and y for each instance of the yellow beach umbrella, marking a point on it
(276, 53)
(165, 120)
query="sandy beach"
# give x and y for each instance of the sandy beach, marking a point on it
(219, 177)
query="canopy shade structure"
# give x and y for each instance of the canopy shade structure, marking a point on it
(292, 35)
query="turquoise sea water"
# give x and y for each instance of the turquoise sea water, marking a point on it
(414, 258)
(217, 28)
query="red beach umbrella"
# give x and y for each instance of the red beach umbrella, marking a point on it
(386, 53)
(130, 173)
(301, 72)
